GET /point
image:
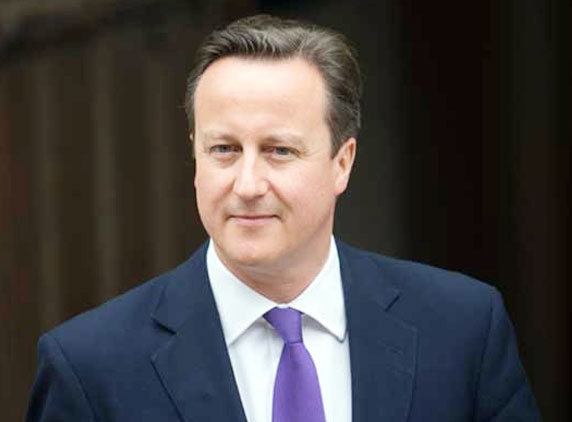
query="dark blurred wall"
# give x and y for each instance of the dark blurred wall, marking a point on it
(463, 161)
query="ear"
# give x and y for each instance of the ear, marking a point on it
(194, 157)
(343, 162)
(192, 144)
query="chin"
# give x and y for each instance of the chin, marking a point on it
(250, 255)
(251, 258)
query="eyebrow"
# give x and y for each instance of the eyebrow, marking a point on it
(273, 138)
(215, 134)
(285, 137)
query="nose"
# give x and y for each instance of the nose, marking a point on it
(250, 180)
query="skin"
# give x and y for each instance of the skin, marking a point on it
(266, 182)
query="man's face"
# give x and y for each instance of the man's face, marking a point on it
(266, 182)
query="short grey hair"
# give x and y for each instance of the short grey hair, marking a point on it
(272, 38)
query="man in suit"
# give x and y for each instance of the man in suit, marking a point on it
(273, 319)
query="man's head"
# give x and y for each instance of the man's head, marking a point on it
(266, 178)
(270, 38)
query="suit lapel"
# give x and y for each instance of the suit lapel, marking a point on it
(193, 364)
(382, 347)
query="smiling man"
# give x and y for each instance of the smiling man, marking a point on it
(267, 176)
(273, 319)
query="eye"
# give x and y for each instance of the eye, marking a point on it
(223, 149)
(281, 152)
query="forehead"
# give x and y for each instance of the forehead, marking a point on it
(247, 77)
(252, 93)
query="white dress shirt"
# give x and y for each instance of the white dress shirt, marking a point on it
(255, 348)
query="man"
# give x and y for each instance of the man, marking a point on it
(273, 319)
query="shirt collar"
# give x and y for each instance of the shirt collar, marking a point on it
(239, 306)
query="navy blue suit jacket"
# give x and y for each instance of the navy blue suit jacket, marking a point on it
(425, 345)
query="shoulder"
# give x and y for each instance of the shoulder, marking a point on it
(421, 288)
(125, 322)
(409, 274)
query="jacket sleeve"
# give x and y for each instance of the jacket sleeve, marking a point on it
(504, 393)
(57, 393)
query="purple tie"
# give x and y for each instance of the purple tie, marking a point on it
(297, 395)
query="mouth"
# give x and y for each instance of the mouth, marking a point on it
(252, 220)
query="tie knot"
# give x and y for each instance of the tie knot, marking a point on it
(287, 322)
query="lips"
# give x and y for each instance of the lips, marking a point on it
(252, 220)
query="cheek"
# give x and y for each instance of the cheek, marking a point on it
(210, 183)
(206, 191)
(306, 190)
(209, 202)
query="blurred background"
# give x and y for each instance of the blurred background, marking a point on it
(463, 161)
